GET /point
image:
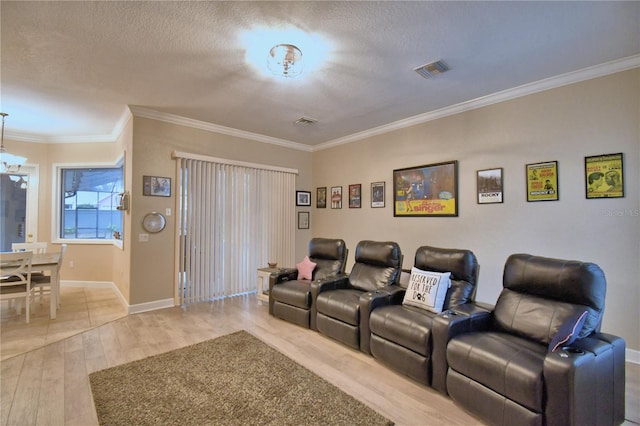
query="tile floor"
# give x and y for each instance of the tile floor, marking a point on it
(81, 309)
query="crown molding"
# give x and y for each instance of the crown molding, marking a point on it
(210, 127)
(112, 137)
(505, 95)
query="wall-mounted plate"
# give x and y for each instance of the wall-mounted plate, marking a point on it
(153, 222)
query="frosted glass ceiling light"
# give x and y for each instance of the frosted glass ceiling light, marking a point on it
(9, 163)
(285, 60)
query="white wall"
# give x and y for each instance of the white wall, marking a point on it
(566, 124)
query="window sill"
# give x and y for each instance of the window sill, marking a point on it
(97, 242)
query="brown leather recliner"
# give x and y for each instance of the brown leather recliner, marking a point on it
(343, 305)
(293, 300)
(506, 370)
(413, 341)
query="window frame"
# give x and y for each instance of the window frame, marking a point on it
(57, 202)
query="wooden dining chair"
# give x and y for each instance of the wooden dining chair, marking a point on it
(15, 278)
(38, 247)
(43, 283)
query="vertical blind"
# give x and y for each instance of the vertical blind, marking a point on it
(234, 218)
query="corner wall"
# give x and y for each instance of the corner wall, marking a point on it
(594, 117)
(152, 262)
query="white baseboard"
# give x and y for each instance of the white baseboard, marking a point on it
(151, 306)
(632, 356)
(97, 284)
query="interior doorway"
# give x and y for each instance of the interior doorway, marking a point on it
(18, 207)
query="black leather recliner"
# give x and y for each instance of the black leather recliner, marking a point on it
(505, 370)
(413, 341)
(343, 306)
(293, 300)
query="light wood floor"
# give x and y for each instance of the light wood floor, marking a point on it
(50, 386)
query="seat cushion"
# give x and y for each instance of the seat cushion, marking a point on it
(509, 365)
(404, 325)
(341, 304)
(295, 293)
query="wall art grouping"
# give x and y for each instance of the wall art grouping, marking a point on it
(432, 189)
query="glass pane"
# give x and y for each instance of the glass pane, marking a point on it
(90, 200)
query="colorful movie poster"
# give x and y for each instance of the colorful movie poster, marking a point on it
(542, 181)
(604, 177)
(429, 190)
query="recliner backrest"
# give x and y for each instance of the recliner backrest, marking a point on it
(463, 266)
(377, 265)
(330, 256)
(539, 294)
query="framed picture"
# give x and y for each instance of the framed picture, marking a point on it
(156, 186)
(303, 198)
(303, 220)
(336, 197)
(604, 177)
(321, 198)
(542, 181)
(355, 192)
(489, 183)
(429, 190)
(377, 194)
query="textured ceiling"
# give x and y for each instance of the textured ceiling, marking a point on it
(70, 69)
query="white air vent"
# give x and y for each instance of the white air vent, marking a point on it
(432, 69)
(305, 121)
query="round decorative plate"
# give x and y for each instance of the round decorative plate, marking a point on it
(153, 222)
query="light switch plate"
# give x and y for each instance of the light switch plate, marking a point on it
(143, 238)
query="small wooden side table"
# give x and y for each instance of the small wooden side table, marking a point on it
(263, 283)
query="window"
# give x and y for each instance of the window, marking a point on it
(89, 198)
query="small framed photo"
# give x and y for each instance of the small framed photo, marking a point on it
(489, 183)
(355, 198)
(321, 197)
(156, 186)
(429, 190)
(303, 198)
(336, 197)
(377, 194)
(303, 220)
(604, 177)
(542, 181)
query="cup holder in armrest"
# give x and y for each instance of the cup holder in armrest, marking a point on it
(568, 350)
(449, 313)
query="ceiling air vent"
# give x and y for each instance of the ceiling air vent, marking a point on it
(432, 69)
(305, 121)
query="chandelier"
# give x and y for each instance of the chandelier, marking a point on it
(9, 163)
(285, 60)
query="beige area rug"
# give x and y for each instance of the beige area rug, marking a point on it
(233, 380)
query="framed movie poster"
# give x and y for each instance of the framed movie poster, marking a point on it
(336, 197)
(321, 197)
(490, 186)
(355, 198)
(429, 190)
(542, 181)
(603, 176)
(377, 194)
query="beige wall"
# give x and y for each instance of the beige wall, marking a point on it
(152, 263)
(594, 117)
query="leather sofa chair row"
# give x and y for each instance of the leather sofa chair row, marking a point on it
(537, 357)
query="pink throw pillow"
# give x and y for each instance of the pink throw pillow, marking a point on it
(305, 269)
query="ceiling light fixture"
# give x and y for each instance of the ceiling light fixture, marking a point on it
(9, 163)
(285, 60)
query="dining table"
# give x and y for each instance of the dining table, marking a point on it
(49, 262)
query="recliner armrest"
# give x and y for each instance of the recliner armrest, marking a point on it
(285, 274)
(369, 301)
(318, 286)
(448, 324)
